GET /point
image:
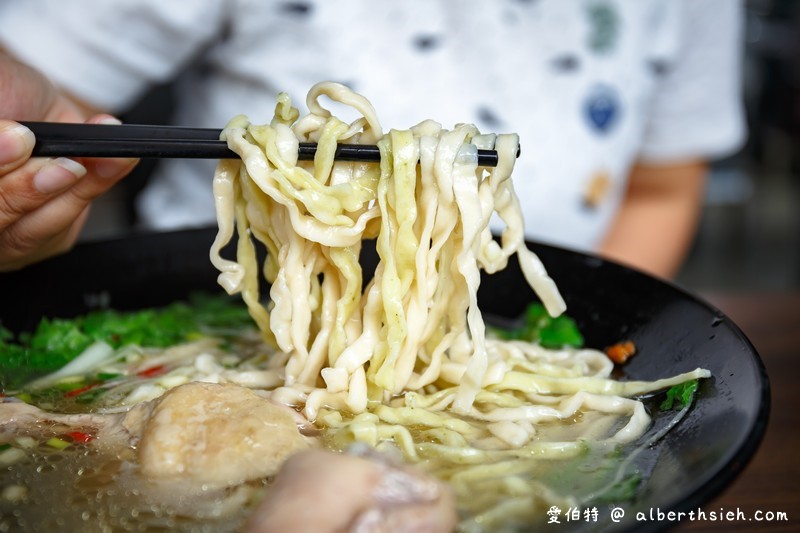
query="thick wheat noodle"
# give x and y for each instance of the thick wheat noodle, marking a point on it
(408, 349)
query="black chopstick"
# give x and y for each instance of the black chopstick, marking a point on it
(67, 131)
(55, 139)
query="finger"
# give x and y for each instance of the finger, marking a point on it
(16, 144)
(19, 248)
(108, 168)
(95, 183)
(27, 188)
(41, 181)
(61, 211)
(43, 204)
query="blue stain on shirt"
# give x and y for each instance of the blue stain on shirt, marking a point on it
(602, 108)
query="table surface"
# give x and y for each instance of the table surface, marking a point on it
(771, 481)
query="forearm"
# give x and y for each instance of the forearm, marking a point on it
(655, 226)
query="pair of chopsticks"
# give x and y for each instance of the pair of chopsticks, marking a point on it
(55, 139)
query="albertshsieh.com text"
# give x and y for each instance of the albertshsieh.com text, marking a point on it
(723, 515)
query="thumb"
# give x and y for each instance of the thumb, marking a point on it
(16, 144)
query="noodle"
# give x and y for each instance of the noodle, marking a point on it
(405, 362)
(419, 314)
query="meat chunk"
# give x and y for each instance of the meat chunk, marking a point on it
(329, 492)
(203, 433)
(217, 435)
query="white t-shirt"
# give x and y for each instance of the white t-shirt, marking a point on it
(591, 86)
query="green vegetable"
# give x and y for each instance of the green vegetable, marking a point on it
(12, 356)
(58, 444)
(680, 395)
(55, 342)
(24, 397)
(621, 491)
(90, 396)
(539, 326)
(68, 386)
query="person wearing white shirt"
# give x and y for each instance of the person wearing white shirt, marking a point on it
(619, 104)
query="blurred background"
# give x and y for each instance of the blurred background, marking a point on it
(749, 236)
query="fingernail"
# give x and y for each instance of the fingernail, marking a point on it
(111, 121)
(58, 174)
(15, 143)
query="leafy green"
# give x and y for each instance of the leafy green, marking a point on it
(13, 358)
(54, 343)
(680, 395)
(621, 491)
(539, 326)
(90, 396)
(57, 341)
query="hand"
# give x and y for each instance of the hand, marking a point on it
(43, 202)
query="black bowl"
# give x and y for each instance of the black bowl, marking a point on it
(673, 330)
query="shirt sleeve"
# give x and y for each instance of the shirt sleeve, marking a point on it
(108, 53)
(697, 109)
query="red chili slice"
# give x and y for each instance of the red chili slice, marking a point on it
(80, 390)
(80, 437)
(152, 371)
